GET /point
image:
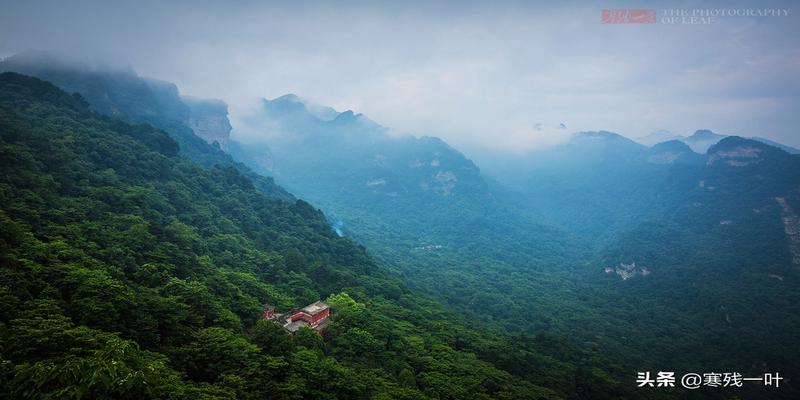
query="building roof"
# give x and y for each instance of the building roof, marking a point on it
(295, 326)
(315, 308)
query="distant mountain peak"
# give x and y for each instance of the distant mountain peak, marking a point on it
(604, 136)
(598, 134)
(291, 101)
(658, 136)
(671, 145)
(705, 134)
(702, 139)
(287, 100)
(738, 152)
(672, 151)
(348, 115)
(730, 142)
(290, 97)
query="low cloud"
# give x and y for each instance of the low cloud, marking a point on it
(477, 74)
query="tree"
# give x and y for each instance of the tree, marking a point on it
(216, 351)
(271, 338)
(308, 338)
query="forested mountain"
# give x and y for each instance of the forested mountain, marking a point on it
(593, 185)
(421, 206)
(566, 270)
(625, 261)
(702, 139)
(721, 247)
(131, 272)
(698, 252)
(199, 126)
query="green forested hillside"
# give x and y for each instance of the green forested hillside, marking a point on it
(128, 254)
(422, 207)
(719, 258)
(129, 97)
(130, 272)
(716, 278)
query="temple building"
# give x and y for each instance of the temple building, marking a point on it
(314, 316)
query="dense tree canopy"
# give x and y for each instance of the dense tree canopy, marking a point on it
(130, 272)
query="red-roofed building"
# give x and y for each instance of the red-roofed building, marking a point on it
(314, 316)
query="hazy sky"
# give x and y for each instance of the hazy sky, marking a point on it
(503, 75)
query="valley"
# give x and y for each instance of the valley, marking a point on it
(590, 259)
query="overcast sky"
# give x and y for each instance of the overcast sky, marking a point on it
(477, 74)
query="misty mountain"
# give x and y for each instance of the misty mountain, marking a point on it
(672, 152)
(522, 202)
(199, 126)
(528, 233)
(593, 238)
(702, 139)
(788, 149)
(422, 207)
(722, 233)
(131, 272)
(702, 239)
(599, 182)
(591, 185)
(655, 137)
(600, 214)
(374, 162)
(740, 185)
(419, 191)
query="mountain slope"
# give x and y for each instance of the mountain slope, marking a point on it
(423, 209)
(718, 251)
(788, 149)
(590, 186)
(130, 272)
(623, 202)
(125, 95)
(693, 257)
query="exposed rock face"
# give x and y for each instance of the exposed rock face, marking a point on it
(791, 225)
(209, 120)
(212, 130)
(738, 157)
(627, 271)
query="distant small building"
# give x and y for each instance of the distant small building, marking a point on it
(314, 316)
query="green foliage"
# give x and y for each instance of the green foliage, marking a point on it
(130, 272)
(271, 338)
(215, 351)
(526, 260)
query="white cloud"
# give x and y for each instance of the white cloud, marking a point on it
(477, 74)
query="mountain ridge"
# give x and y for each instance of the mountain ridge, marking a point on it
(121, 261)
(124, 94)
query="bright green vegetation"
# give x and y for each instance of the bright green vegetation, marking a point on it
(128, 271)
(124, 95)
(132, 249)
